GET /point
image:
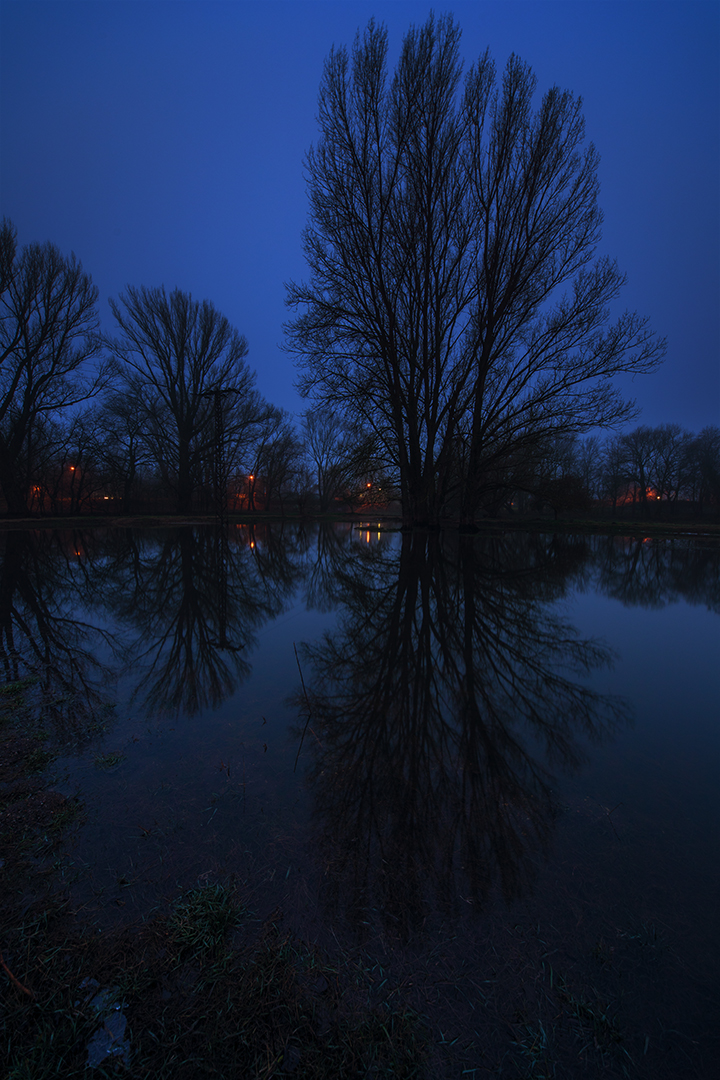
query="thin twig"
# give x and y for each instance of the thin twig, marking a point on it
(609, 812)
(307, 702)
(16, 981)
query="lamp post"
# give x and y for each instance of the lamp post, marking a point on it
(220, 499)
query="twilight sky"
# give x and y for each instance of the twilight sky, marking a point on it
(163, 143)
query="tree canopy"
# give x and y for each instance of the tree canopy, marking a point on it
(455, 304)
(173, 353)
(48, 329)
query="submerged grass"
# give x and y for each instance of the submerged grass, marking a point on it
(197, 1004)
(202, 917)
(205, 988)
(109, 761)
(202, 989)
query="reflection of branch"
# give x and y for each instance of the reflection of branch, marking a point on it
(182, 604)
(38, 636)
(651, 574)
(445, 671)
(16, 981)
(307, 702)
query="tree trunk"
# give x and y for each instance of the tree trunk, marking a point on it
(13, 489)
(184, 486)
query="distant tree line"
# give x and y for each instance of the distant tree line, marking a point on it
(454, 337)
(648, 467)
(131, 422)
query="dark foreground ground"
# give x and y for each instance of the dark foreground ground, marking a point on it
(210, 987)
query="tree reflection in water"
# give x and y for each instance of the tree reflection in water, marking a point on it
(440, 706)
(449, 694)
(184, 610)
(652, 573)
(44, 634)
(189, 642)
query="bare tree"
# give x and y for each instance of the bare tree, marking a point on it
(638, 450)
(122, 449)
(670, 461)
(48, 331)
(276, 461)
(453, 304)
(175, 351)
(342, 457)
(613, 480)
(704, 466)
(589, 464)
(72, 478)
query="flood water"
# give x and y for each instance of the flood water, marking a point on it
(489, 765)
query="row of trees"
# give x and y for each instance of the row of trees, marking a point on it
(454, 331)
(148, 417)
(151, 411)
(649, 465)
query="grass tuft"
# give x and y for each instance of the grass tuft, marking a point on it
(202, 917)
(197, 1006)
(108, 761)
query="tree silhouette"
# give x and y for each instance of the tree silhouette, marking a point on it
(455, 306)
(41, 634)
(174, 352)
(48, 330)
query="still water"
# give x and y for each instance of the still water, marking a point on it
(487, 765)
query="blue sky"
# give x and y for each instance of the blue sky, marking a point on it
(164, 144)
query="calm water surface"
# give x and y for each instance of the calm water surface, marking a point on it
(488, 766)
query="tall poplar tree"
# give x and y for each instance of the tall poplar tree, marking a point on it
(455, 304)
